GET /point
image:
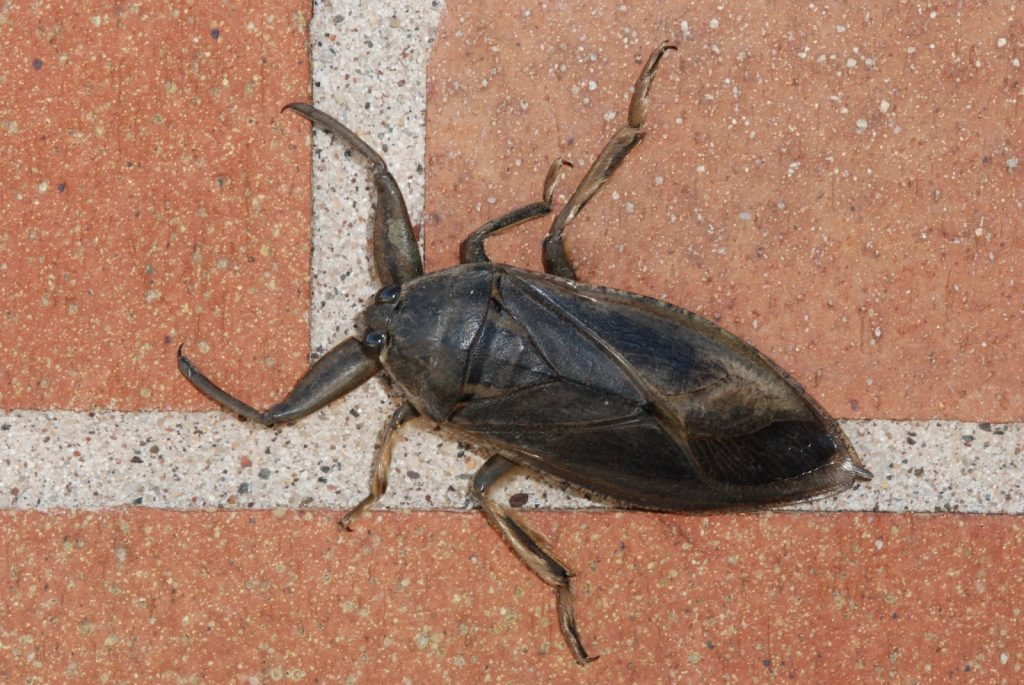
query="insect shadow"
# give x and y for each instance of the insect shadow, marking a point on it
(622, 395)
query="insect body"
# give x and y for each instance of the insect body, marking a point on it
(618, 393)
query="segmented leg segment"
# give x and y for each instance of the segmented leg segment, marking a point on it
(532, 549)
(381, 464)
(472, 249)
(344, 368)
(556, 261)
(396, 256)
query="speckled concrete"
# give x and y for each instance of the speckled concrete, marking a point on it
(268, 597)
(213, 460)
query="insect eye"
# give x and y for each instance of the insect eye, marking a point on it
(374, 339)
(388, 294)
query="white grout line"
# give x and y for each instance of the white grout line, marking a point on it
(197, 460)
(373, 77)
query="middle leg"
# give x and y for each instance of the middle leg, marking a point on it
(381, 464)
(472, 248)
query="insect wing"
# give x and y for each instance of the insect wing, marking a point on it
(643, 401)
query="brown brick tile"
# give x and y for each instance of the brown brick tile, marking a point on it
(153, 195)
(839, 185)
(147, 595)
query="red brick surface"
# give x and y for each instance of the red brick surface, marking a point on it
(153, 195)
(838, 184)
(149, 596)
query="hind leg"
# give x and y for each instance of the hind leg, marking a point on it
(556, 261)
(532, 549)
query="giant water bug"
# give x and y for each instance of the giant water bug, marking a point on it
(620, 394)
